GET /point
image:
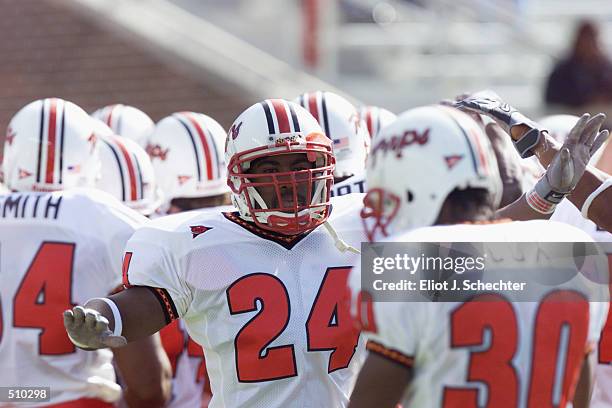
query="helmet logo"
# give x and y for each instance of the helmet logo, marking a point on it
(183, 179)
(23, 174)
(235, 130)
(10, 135)
(397, 143)
(451, 161)
(156, 151)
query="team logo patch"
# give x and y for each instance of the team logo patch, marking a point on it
(23, 174)
(235, 130)
(198, 229)
(10, 136)
(451, 161)
(183, 179)
(156, 151)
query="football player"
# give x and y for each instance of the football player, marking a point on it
(258, 288)
(351, 141)
(376, 118)
(186, 149)
(559, 126)
(126, 121)
(438, 354)
(60, 246)
(126, 172)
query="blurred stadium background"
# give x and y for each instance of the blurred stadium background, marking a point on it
(219, 56)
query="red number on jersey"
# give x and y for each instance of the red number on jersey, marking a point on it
(605, 342)
(493, 366)
(562, 316)
(254, 360)
(329, 325)
(44, 293)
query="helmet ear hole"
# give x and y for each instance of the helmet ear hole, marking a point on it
(409, 196)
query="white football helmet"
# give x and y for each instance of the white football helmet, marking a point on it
(559, 127)
(50, 145)
(271, 128)
(186, 149)
(417, 161)
(376, 118)
(127, 121)
(127, 173)
(341, 123)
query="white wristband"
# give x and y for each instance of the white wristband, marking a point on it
(587, 203)
(116, 315)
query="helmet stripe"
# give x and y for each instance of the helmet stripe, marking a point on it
(61, 141)
(109, 117)
(51, 134)
(40, 140)
(369, 121)
(213, 144)
(179, 118)
(281, 115)
(324, 109)
(204, 142)
(130, 167)
(294, 119)
(119, 166)
(140, 185)
(268, 117)
(312, 105)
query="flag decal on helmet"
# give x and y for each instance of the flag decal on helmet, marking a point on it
(156, 151)
(451, 161)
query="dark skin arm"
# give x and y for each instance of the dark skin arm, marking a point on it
(141, 313)
(381, 383)
(146, 372)
(584, 388)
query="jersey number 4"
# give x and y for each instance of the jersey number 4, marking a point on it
(329, 326)
(561, 326)
(42, 296)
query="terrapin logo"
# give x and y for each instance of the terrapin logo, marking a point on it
(10, 136)
(156, 151)
(235, 130)
(396, 144)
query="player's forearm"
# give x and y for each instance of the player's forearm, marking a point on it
(599, 210)
(520, 211)
(140, 312)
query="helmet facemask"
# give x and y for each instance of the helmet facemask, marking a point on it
(288, 202)
(379, 209)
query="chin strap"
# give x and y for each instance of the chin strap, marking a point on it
(339, 242)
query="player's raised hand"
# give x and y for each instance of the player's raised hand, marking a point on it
(569, 164)
(89, 330)
(488, 103)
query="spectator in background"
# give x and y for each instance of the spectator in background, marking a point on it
(585, 76)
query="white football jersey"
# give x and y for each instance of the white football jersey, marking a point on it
(58, 250)
(488, 353)
(354, 184)
(602, 391)
(263, 306)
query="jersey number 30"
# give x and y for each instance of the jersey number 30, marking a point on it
(329, 326)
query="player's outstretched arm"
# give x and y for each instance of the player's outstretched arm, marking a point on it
(381, 383)
(146, 372)
(95, 325)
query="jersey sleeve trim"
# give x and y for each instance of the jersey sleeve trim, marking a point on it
(390, 354)
(166, 303)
